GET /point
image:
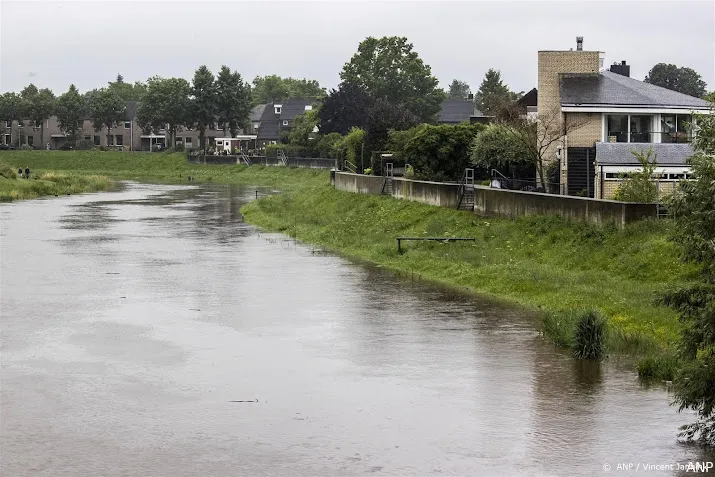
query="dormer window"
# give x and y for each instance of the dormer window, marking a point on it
(278, 108)
(308, 107)
(285, 122)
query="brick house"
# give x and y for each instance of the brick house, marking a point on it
(607, 114)
(278, 118)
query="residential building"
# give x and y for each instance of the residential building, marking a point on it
(278, 118)
(595, 106)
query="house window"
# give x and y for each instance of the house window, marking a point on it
(278, 108)
(30, 140)
(219, 127)
(308, 107)
(127, 124)
(674, 128)
(187, 141)
(96, 140)
(630, 128)
(110, 140)
(120, 140)
(37, 124)
(617, 128)
(88, 138)
(285, 122)
(8, 139)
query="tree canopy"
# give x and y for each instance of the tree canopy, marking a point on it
(166, 101)
(693, 209)
(273, 88)
(128, 91)
(440, 153)
(388, 68)
(233, 100)
(39, 106)
(344, 108)
(71, 112)
(498, 147)
(493, 94)
(106, 109)
(681, 79)
(382, 117)
(203, 107)
(458, 90)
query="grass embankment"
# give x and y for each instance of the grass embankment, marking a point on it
(543, 263)
(13, 187)
(152, 167)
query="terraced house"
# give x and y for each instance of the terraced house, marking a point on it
(607, 115)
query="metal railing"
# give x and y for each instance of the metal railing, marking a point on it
(350, 166)
(282, 156)
(465, 183)
(649, 137)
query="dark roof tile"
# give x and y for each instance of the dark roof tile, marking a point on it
(621, 153)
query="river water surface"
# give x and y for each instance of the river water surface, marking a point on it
(132, 320)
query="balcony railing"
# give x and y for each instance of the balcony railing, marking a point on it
(648, 137)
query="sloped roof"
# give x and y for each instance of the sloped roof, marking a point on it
(621, 153)
(257, 112)
(612, 89)
(457, 111)
(294, 106)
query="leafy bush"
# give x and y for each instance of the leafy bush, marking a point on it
(440, 153)
(329, 145)
(590, 336)
(85, 145)
(367, 171)
(409, 171)
(26, 147)
(497, 147)
(353, 144)
(7, 171)
(639, 185)
(290, 150)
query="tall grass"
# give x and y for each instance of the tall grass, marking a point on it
(590, 336)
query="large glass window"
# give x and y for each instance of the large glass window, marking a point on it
(675, 127)
(641, 128)
(617, 127)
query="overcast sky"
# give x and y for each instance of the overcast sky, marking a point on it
(55, 43)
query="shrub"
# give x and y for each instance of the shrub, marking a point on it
(26, 147)
(85, 145)
(7, 171)
(658, 368)
(409, 172)
(639, 185)
(289, 150)
(590, 336)
(367, 171)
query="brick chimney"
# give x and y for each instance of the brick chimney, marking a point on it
(621, 69)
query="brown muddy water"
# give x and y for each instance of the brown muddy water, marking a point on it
(132, 321)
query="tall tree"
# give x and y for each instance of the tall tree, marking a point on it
(128, 91)
(493, 94)
(12, 108)
(344, 108)
(40, 106)
(233, 100)
(693, 208)
(166, 101)
(203, 108)
(459, 90)
(710, 97)
(683, 80)
(106, 108)
(71, 111)
(388, 68)
(383, 117)
(273, 88)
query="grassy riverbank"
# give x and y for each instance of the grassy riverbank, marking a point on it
(46, 183)
(542, 263)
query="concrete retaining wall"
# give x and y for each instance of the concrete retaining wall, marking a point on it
(497, 202)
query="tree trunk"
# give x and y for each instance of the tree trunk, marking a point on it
(109, 133)
(42, 134)
(202, 139)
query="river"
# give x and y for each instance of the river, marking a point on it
(133, 320)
